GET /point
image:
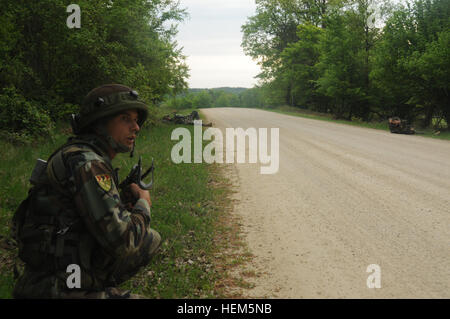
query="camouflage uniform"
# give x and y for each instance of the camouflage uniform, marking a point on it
(399, 126)
(185, 120)
(75, 215)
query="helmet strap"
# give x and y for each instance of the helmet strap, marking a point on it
(132, 150)
(117, 147)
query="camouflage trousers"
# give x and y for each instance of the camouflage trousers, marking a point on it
(33, 284)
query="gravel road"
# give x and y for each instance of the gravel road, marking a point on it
(344, 198)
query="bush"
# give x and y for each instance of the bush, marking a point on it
(57, 109)
(22, 118)
(154, 116)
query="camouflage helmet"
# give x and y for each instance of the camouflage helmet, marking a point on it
(105, 101)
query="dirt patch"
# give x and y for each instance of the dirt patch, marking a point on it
(232, 253)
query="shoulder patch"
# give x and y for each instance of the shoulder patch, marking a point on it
(104, 181)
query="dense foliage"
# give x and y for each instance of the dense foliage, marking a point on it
(361, 59)
(46, 68)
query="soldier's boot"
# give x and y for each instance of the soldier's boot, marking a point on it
(156, 243)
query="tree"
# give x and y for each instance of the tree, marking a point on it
(274, 27)
(203, 99)
(410, 65)
(252, 98)
(299, 61)
(344, 61)
(432, 67)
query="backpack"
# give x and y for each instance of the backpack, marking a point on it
(41, 222)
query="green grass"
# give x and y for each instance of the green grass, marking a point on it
(184, 212)
(288, 110)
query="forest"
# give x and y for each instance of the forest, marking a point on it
(355, 59)
(46, 68)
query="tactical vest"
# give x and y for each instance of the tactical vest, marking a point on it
(48, 229)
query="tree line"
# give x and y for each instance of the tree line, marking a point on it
(47, 68)
(217, 97)
(362, 59)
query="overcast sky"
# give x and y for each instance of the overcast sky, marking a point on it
(211, 38)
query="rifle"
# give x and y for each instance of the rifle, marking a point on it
(136, 177)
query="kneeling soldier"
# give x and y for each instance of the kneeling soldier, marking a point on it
(74, 213)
